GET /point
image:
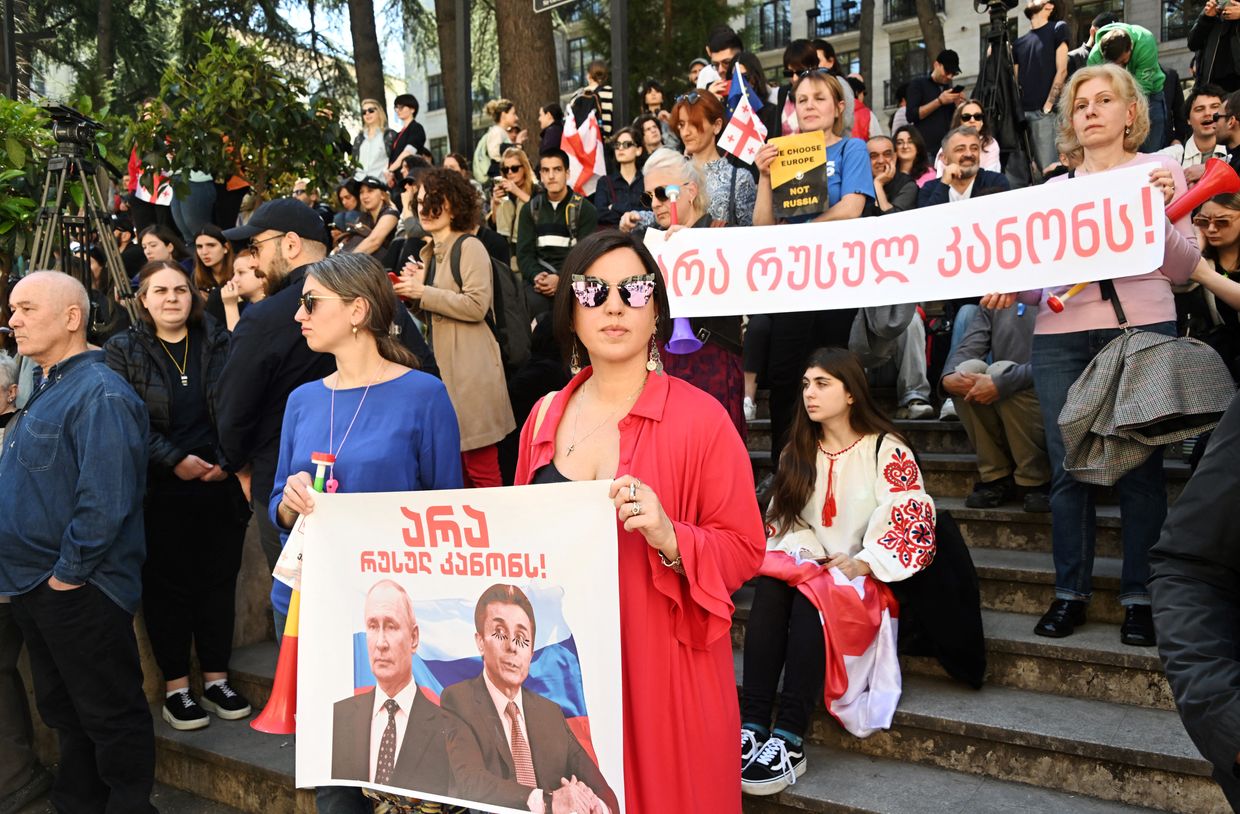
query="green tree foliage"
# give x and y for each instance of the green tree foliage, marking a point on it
(23, 146)
(233, 111)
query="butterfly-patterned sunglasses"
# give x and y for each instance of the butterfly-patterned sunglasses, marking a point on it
(592, 292)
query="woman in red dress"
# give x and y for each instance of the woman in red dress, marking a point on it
(690, 532)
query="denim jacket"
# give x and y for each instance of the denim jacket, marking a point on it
(72, 479)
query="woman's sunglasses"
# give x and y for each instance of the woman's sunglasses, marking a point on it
(689, 98)
(657, 194)
(1204, 223)
(370, 110)
(592, 292)
(512, 169)
(625, 145)
(308, 300)
(972, 117)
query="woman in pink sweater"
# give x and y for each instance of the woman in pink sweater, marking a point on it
(1104, 121)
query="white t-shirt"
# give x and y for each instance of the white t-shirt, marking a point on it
(373, 156)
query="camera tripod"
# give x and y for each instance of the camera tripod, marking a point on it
(65, 226)
(999, 94)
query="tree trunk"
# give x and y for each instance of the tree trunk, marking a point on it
(527, 71)
(1064, 11)
(24, 50)
(931, 29)
(866, 47)
(103, 52)
(366, 58)
(445, 25)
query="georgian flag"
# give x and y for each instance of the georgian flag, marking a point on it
(745, 133)
(584, 146)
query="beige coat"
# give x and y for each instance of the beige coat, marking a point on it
(466, 351)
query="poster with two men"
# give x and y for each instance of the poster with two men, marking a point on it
(452, 649)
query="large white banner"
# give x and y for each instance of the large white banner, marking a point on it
(453, 604)
(1095, 227)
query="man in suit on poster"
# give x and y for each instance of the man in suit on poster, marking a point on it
(391, 735)
(513, 747)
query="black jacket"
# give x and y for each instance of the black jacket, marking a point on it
(135, 356)
(270, 359)
(936, 192)
(1195, 589)
(1217, 44)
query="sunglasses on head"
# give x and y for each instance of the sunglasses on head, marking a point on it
(689, 98)
(511, 169)
(811, 72)
(972, 117)
(592, 292)
(657, 194)
(308, 300)
(370, 110)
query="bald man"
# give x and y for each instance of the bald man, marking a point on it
(71, 549)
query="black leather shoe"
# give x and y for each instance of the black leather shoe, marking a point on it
(1138, 627)
(1061, 618)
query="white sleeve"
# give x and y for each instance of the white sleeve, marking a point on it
(899, 540)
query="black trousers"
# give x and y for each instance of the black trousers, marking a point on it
(88, 686)
(145, 213)
(793, 337)
(783, 635)
(17, 760)
(194, 538)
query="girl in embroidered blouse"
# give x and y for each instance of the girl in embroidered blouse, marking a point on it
(849, 513)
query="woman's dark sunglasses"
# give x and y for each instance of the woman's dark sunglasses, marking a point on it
(658, 193)
(370, 110)
(592, 292)
(689, 98)
(308, 300)
(625, 145)
(972, 117)
(512, 169)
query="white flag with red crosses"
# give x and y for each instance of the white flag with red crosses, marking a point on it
(745, 133)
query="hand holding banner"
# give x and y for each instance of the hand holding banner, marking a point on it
(1095, 227)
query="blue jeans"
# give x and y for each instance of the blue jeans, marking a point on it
(1157, 139)
(1058, 360)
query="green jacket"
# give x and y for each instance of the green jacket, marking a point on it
(1143, 64)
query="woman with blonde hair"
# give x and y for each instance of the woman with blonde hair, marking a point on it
(374, 141)
(1103, 121)
(507, 124)
(513, 189)
(374, 229)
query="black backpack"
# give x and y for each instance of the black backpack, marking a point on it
(508, 320)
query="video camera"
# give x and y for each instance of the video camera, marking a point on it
(71, 127)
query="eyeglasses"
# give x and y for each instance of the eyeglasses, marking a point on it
(511, 169)
(658, 193)
(972, 117)
(299, 192)
(370, 110)
(254, 244)
(1217, 117)
(1205, 223)
(513, 129)
(309, 299)
(592, 292)
(812, 71)
(689, 98)
(625, 145)
(722, 66)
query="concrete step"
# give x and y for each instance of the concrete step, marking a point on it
(167, 800)
(1113, 752)
(1010, 527)
(252, 670)
(925, 436)
(230, 763)
(1024, 582)
(840, 782)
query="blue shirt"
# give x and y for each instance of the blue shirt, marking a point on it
(72, 479)
(848, 172)
(405, 438)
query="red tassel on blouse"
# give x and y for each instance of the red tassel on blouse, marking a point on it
(828, 505)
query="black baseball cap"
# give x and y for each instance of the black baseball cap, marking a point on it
(282, 215)
(372, 182)
(950, 61)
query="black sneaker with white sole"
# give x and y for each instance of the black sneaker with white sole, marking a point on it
(225, 702)
(777, 766)
(750, 744)
(182, 712)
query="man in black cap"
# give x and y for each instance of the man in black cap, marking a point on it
(931, 100)
(269, 358)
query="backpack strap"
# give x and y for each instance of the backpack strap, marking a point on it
(572, 214)
(732, 199)
(543, 407)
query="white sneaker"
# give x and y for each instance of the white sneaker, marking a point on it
(750, 408)
(916, 410)
(948, 412)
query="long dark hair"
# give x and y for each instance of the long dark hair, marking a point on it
(794, 480)
(1227, 200)
(204, 277)
(921, 160)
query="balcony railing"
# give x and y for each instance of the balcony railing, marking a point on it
(837, 17)
(896, 10)
(774, 33)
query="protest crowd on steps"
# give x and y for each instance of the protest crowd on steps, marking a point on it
(474, 300)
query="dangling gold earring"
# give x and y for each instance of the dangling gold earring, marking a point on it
(654, 363)
(1127, 131)
(574, 361)
(355, 332)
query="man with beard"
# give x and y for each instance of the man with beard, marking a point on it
(269, 358)
(962, 177)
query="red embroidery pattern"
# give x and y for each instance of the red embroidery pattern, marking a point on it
(911, 535)
(902, 472)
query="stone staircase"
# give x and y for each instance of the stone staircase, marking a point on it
(1082, 724)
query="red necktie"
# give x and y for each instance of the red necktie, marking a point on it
(521, 758)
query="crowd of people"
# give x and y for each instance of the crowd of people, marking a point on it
(461, 313)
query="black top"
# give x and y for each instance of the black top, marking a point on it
(934, 127)
(215, 306)
(189, 427)
(1035, 56)
(412, 135)
(133, 258)
(549, 474)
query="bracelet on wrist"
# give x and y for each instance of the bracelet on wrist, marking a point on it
(675, 564)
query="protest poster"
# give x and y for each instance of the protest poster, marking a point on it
(1095, 227)
(461, 561)
(799, 175)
